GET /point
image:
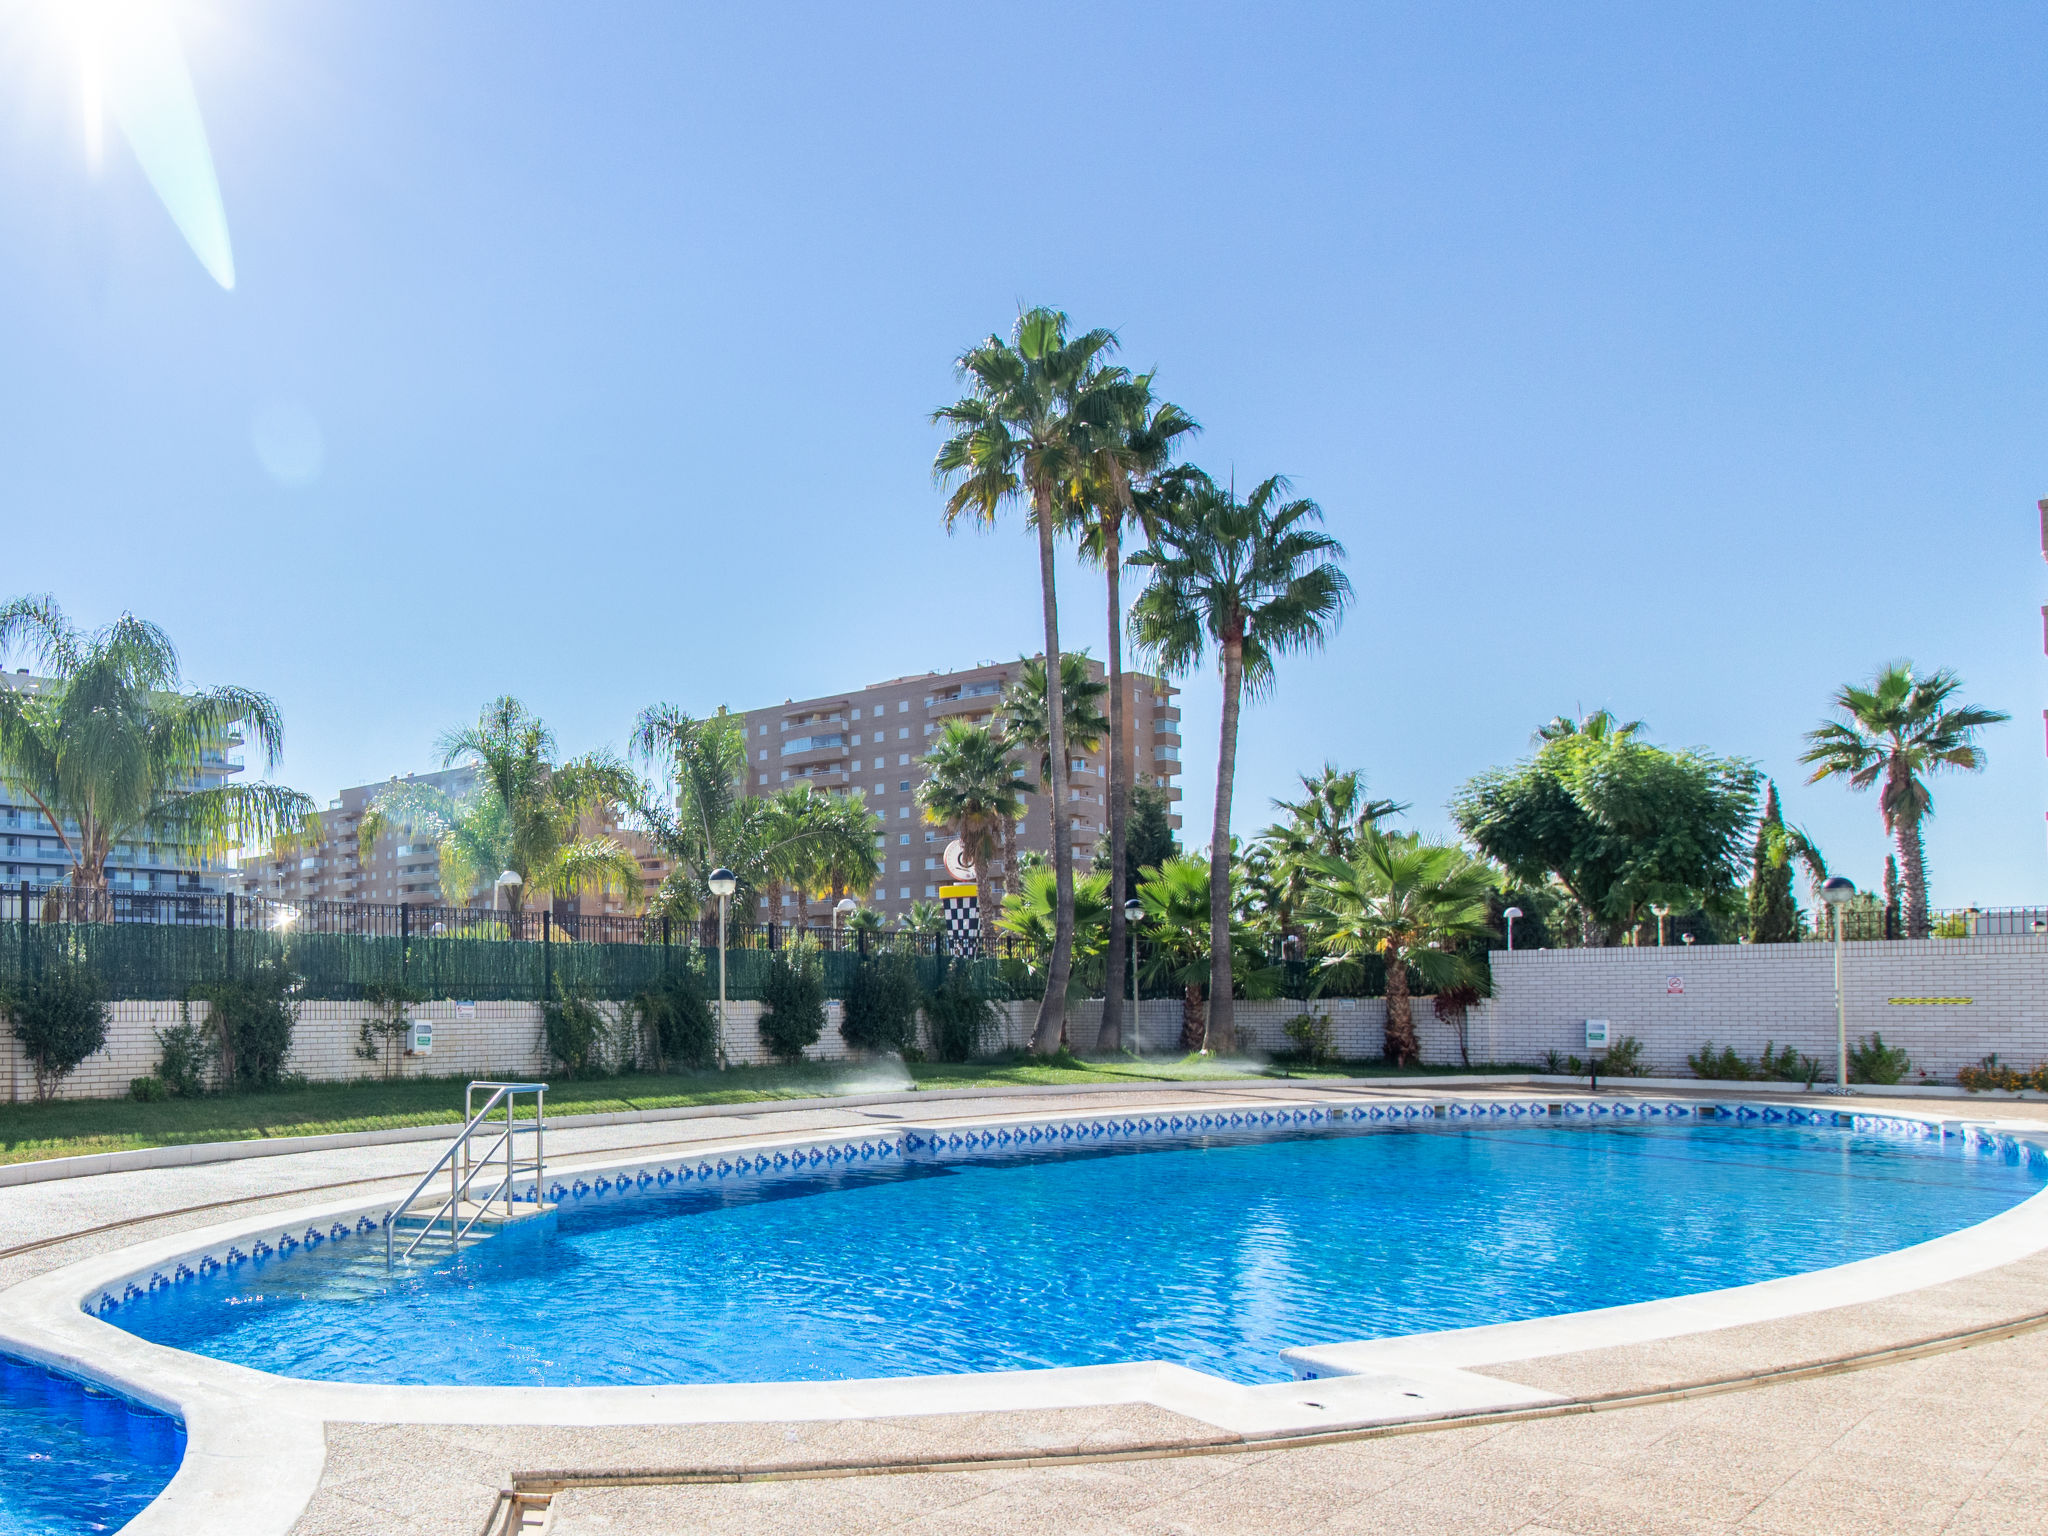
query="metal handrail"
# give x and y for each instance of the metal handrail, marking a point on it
(462, 1174)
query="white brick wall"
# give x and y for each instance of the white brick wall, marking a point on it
(1746, 994)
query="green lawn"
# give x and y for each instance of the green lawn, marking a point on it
(67, 1129)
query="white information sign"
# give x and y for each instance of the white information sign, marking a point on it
(1596, 1034)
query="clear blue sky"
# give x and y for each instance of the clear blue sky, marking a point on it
(1684, 360)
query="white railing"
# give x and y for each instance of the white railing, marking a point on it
(463, 1209)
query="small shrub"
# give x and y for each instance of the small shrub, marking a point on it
(181, 1060)
(59, 1012)
(1954, 926)
(148, 1090)
(678, 1024)
(1721, 1066)
(576, 1034)
(1625, 1059)
(794, 990)
(1991, 1074)
(958, 1016)
(1787, 1066)
(1311, 1036)
(251, 1020)
(881, 1004)
(1872, 1061)
(1553, 1063)
(377, 1036)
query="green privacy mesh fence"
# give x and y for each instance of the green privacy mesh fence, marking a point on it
(163, 961)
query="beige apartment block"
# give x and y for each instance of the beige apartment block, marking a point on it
(403, 868)
(872, 741)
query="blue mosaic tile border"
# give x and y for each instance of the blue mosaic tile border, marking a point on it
(876, 1149)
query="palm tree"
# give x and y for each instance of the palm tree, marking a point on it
(704, 819)
(1131, 451)
(1902, 729)
(1177, 947)
(1410, 902)
(973, 788)
(109, 747)
(1023, 433)
(1028, 918)
(924, 920)
(846, 858)
(1327, 821)
(1256, 581)
(528, 813)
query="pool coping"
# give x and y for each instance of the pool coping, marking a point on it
(256, 1442)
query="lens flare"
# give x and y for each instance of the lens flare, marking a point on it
(133, 67)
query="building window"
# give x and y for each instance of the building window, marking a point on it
(903, 786)
(902, 759)
(904, 840)
(931, 863)
(903, 813)
(903, 708)
(764, 778)
(856, 711)
(879, 789)
(931, 890)
(903, 893)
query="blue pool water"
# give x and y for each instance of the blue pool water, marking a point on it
(1216, 1252)
(74, 1459)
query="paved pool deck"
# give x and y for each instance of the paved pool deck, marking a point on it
(1955, 1441)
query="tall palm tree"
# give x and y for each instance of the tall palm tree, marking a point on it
(973, 788)
(1177, 939)
(1254, 579)
(703, 818)
(845, 840)
(110, 746)
(1902, 729)
(1128, 455)
(537, 817)
(1333, 812)
(1022, 433)
(1411, 902)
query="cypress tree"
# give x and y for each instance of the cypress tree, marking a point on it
(1773, 914)
(1894, 900)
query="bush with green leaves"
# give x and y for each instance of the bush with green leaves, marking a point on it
(1310, 1036)
(1872, 1061)
(59, 1014)
(678, 1025)
(577, 1034)
(378, 1033)
(181, 1060)
(959, 1016)
(251, 1020)
(881, 1004)
(1773, 1066)
(1624, 1058)
(794, 991)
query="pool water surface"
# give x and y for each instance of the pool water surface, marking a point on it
(1216, 1252)
(74, 1459)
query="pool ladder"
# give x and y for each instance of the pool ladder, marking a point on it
(504, 1176)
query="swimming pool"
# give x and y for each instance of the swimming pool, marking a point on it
(1214, 1249)
(74, 1459)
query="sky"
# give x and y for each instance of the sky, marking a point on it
(1680, 360)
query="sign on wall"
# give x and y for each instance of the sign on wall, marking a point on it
(1596, 1034)
(1674, 986)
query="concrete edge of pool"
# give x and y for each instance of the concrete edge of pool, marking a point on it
(256, 1443)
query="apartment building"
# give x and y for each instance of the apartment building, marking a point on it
(401, 867)
(32, 850)
(872, 740)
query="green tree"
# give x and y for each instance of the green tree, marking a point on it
(1902, 730)
(1619, 823)
(1413, 903)
(703, 818)
(1024, 721)
(110, 748)
(1148, 836)
(924, 920)
(528, 813)
(1028, 918)
(973, 789)
(1024, 432)
(1175, 944)
(1256, 581)
(1773, 914)
(1135, 446)
(1333, 812)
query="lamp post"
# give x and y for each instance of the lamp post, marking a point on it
(723, 883)
(1836, 891)
(1662, 913)
(1133, 910)
(841, 912)
(509, 880)
(1511, 914)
